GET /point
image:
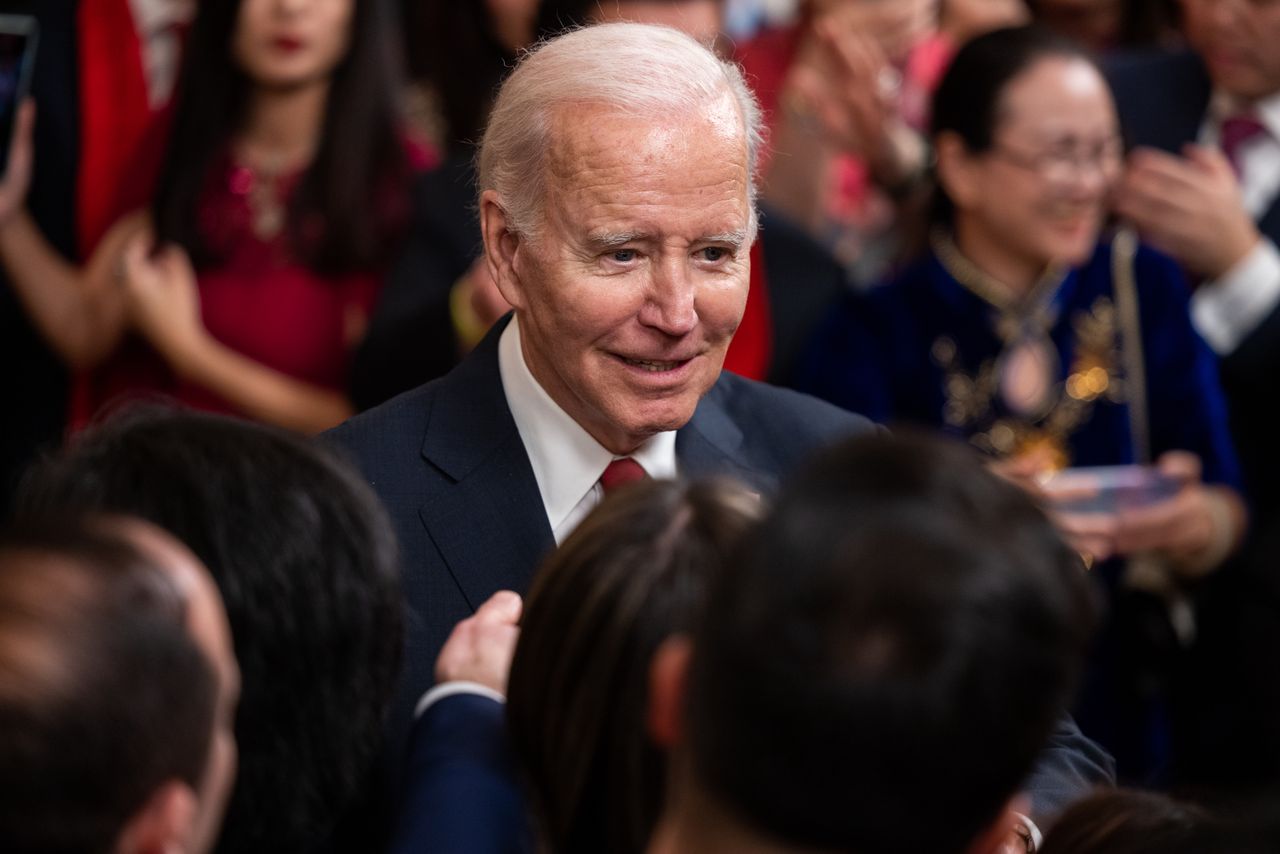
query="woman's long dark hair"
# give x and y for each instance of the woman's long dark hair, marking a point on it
(460, 56)
(633, 574)
(344, 212)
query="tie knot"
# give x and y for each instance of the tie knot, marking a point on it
(620, 473)
(1236, 131)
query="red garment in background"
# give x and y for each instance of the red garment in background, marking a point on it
(766, 59)
(122, 142)
(122, 137)
(751, 349)
(259, 300)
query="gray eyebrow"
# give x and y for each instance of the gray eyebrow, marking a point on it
(736, 239)
(612, 240)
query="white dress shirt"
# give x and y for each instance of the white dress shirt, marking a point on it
(157, 23)
(567, 461)
(567, 464)
(1225, 310)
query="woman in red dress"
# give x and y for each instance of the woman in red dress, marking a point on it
(246, 284)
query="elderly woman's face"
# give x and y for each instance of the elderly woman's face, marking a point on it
(1043, 188)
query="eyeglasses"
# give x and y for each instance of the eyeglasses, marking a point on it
(1066, 163)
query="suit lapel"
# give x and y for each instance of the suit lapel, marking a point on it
(488, 522)
(713, 444)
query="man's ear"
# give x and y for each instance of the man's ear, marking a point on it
(501, 247)
(668, 673)
(956, 173)
(998, 837)
(164, 824)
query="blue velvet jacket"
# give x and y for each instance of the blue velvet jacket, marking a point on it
(923, 350)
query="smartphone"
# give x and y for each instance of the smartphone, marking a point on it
(1108, 489)
(17, 56)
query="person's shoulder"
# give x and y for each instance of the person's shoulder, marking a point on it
(381, 436)
(1164, 66)
(787, 415)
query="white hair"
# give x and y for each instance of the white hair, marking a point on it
(638, 69)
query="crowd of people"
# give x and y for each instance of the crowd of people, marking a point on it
(642, 426)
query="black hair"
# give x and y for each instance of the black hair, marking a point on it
(1121, 821)
(631, 575)
(969, 97)
(104, 695)
(896, 639)
(348, 208)
(458, 52)
(306, 562)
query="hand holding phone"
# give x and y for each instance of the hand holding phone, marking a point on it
(1108, 489)
(17, 113)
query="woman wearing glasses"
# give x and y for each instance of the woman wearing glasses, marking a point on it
(1048, 344)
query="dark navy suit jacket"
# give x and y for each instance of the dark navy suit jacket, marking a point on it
(462, 794)
(1162, 100)
(448, 463)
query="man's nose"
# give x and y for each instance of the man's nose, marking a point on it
(671, 303)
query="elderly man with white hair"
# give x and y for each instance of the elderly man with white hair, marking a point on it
(617, 204)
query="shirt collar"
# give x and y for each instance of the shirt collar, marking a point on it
(157, 16)
(1222, 106)
(567, 461)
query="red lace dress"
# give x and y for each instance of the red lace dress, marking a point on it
(260, 300)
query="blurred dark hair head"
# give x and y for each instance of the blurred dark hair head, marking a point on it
(349, 208)
(1133, 822)
(104, 695)
(458, 52)
(1117, 24)
(969, 97)
(306, 563)
(900, 633)
(629, 577)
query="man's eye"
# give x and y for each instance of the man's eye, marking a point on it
(714, 253)
(623, 256)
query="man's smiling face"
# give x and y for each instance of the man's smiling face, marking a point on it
(636, 279)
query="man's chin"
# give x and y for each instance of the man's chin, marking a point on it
(643, 422)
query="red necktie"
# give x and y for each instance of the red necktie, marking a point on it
(620, 473)
(1236, 131)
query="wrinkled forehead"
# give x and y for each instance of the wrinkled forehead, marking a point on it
(580, 130)
(598, 154)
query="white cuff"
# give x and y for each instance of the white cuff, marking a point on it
(448, 689)
(1037, 839)
(1225, 310)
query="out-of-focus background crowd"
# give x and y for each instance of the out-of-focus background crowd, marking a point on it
(1046, 230)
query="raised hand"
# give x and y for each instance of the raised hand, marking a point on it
(1189, 207)
(17, 176)
(162, 299)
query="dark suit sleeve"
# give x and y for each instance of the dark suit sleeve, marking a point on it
(461, 793)
(1069, 767)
